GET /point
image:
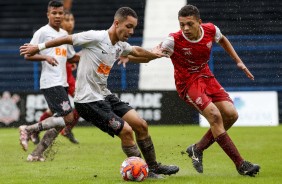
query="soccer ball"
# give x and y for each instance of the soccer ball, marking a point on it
(134, 169)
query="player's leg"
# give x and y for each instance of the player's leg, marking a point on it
(101, 115)
(201, 93)
(145, 143)
(59, 103)
(229, 116)
(213, 115)
(140, 128)
(57, 100)
(47, 140)
(35, 135)
(67, 131)
(228, 112)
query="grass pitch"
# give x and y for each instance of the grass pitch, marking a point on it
(98, 157)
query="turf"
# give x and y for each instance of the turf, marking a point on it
(98, 157)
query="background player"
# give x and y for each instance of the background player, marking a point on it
(67, 24)
(53, 82)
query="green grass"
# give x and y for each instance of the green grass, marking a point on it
(98, 157)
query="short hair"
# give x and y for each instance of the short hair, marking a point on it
(67, 12)
(189, 10)
(123, 12)
(55, 3)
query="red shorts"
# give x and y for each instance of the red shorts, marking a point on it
(205, 90)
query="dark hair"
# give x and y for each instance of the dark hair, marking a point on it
(189, 10)
(55, 3)
(123, 12)
(67, 12)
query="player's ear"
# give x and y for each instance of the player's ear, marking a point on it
(116, 23)
(200, 21)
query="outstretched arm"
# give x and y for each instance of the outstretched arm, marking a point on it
(30, 50)
(140, 55)
(224, 42)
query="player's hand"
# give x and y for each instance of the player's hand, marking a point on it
(73, 66)
(242, 66)
(52, 61)
(159, 51)
(29, 49)
(123, 60)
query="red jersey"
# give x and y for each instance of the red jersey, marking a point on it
(190, 58)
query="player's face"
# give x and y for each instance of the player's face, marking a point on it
(190, 26)
(55, 16)
(68, 23)
(125, 29)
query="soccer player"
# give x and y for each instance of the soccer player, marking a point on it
(189, 50)
(68, 25)
(53, 82)
(94, 101)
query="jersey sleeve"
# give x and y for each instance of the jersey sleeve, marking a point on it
(218, 34)
(36, 39)
(168, 45)
(70, 51)
(85, 37)
(127, 48)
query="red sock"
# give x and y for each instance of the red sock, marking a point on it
(229, 148)
(206, 141)
(75, 119)
(71, 125)
(45, 115)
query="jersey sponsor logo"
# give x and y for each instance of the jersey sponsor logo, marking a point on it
(65, 105)
(60, 52)
(104, 69)
(114, 124)
(209, 45)
(187, 51)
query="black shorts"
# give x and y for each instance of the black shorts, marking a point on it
(58, 100)
(105, 114)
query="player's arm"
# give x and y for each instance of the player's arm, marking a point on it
(37, 57)
(30, 50)
(158, 50)
(227, 46)
(74, 59)
(145, 55)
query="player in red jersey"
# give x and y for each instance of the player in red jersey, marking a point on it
(190, 50)
(68, 25)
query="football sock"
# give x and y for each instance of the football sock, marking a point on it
(69, 126)
(131, 151)
(147, 148)
(206, 141)
(44, 116)
(229, 148)
(46, 141)
(51, 122)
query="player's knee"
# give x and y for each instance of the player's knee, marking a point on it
(214, 118)
(142, 128)
(230, 119)
(126, 133)
(69, 118)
